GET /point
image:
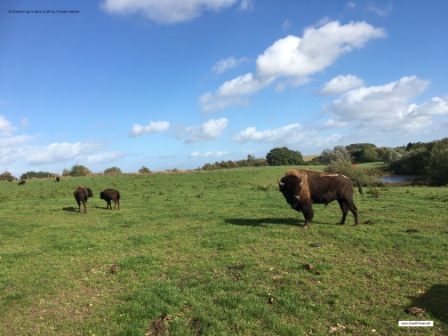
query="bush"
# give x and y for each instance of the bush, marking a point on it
(438, 163)
(112, 171)
(144, 170)
(79, 170)
(365, 176)
(283, 157)
(33, 174)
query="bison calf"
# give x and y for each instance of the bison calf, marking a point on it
(81, 195)
(111, 195)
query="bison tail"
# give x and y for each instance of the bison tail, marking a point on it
(359, 187)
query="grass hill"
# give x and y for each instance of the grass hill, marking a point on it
(218, 253)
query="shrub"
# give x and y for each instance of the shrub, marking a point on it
(79, 170)
(112, 171)
(365, 176)
(284, 156)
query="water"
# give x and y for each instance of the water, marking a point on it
(398, 178)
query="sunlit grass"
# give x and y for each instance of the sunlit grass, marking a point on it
(217, 253)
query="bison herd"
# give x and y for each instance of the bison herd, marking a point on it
(301, 188)
(82, 194)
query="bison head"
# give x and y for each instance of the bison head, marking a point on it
(290, 186)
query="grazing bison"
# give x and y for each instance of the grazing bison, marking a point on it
(81, 195)
(302, 187)
(21, 182)
(58, 178)
(111, 195)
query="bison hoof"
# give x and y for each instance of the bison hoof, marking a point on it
(356, 224)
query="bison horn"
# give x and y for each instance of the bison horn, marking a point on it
(301, 182)
(280, 183)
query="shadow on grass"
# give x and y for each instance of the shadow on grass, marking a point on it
(261, 221)
(434, 301)
(71, 209)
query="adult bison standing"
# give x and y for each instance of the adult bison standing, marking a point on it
(111, 195)
(303, 187)
(81, 195)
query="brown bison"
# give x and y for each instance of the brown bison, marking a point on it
(111, 195)
(302, 187)
(81, 195)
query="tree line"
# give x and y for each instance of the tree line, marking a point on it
(428, 159)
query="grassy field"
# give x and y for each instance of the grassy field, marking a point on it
(218, 253)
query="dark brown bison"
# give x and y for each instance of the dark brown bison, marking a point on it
(21, 182)
(81, 195)
(302, 187)
(111, 195)
(58, 178)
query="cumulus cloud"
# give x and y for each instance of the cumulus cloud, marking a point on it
(152, 127)
(59, 152)
(210, 130)
(387, 108)
(170, 11)
(6, 127)
(198, 154)
(228, 63)
(341, 84)
(292, 135)
(291, 61)
(104, 157)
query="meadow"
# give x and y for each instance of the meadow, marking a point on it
(218, 253)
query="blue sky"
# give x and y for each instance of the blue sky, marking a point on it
(176, 84)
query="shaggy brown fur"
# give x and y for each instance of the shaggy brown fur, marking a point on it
(111, 195)
(303, 187)
(81, 195)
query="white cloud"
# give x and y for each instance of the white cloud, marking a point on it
(210, 130)
(58, 152)
(286, 134)
(227, 64)
(6, 127)
(198, 154)
(152, 127)
(104, 157)
(291, 61)
(341, 84)
(387, 108)
(232, 93)
(319, 47)
(292, 135)
(170, 11)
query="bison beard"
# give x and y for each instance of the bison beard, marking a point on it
(81, 195)
(111, 195)
(302, 187)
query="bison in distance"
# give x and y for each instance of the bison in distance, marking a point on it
(302, 187)
(111, 195)
(81, 195)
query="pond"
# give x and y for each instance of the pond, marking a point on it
(399, 178)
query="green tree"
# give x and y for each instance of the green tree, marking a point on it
(112, 171)
(282, 156)
(80, 170)
(339, 153)
(438, 163)
(6, 176)
(144, 170)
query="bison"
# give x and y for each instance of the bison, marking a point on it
(81, 195)
(303, 187)
(111, 195)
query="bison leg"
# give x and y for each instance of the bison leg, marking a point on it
(308, 213)
(345, 206)
(117, 203)
(85, 207)
(354, 211)
(344, 210)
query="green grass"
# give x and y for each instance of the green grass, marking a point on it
(218, 253)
